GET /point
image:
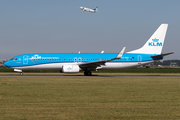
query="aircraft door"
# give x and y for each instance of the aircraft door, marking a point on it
(25, 59)
(139, 59)
(77, 60)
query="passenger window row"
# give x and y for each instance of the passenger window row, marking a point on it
(43, 59)
(69, 59)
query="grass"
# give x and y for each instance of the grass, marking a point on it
(82, 74)
(89, 98)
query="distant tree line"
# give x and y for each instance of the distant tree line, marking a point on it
(168, 62)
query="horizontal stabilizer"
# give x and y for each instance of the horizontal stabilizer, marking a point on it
(162, 55)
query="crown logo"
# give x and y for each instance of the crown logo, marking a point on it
(155, 40)
(69, 68)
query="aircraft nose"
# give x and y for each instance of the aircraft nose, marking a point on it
(81, 7)
(6, 63)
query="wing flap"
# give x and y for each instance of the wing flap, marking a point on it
(93, 64)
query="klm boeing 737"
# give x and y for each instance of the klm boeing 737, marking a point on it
(88, 9)
(87, 62)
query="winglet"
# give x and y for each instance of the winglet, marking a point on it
(121, 53)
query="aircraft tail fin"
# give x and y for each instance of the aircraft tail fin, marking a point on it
(155, 43)
(96, 9)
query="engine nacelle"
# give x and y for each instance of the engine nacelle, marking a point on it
(70, 68)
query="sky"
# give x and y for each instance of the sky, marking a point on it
(60, 26)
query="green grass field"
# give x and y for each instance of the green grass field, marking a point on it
(89, 98)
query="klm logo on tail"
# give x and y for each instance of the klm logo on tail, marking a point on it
(155, 42)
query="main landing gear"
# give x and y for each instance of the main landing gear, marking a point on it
(87, 73)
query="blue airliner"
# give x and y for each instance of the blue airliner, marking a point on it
(87, 62)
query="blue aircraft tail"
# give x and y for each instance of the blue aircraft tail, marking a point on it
(96, 9)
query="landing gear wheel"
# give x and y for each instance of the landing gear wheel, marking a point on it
(21, 73)
(87, 73)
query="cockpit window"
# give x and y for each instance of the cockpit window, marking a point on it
(13, 58)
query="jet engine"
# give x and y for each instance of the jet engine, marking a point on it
(70, 68)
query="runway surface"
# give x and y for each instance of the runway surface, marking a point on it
(121, 76)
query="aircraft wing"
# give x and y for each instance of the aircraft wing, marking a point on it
(101, 62)
(93, 64)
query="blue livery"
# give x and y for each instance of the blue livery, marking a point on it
(87, 62)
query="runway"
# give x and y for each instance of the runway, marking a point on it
(120, 76)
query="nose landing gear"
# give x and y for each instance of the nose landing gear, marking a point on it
(21, 73)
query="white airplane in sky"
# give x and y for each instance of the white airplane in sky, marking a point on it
(88, 9)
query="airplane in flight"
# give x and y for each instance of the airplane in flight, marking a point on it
(87, 62)
(88, 9)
